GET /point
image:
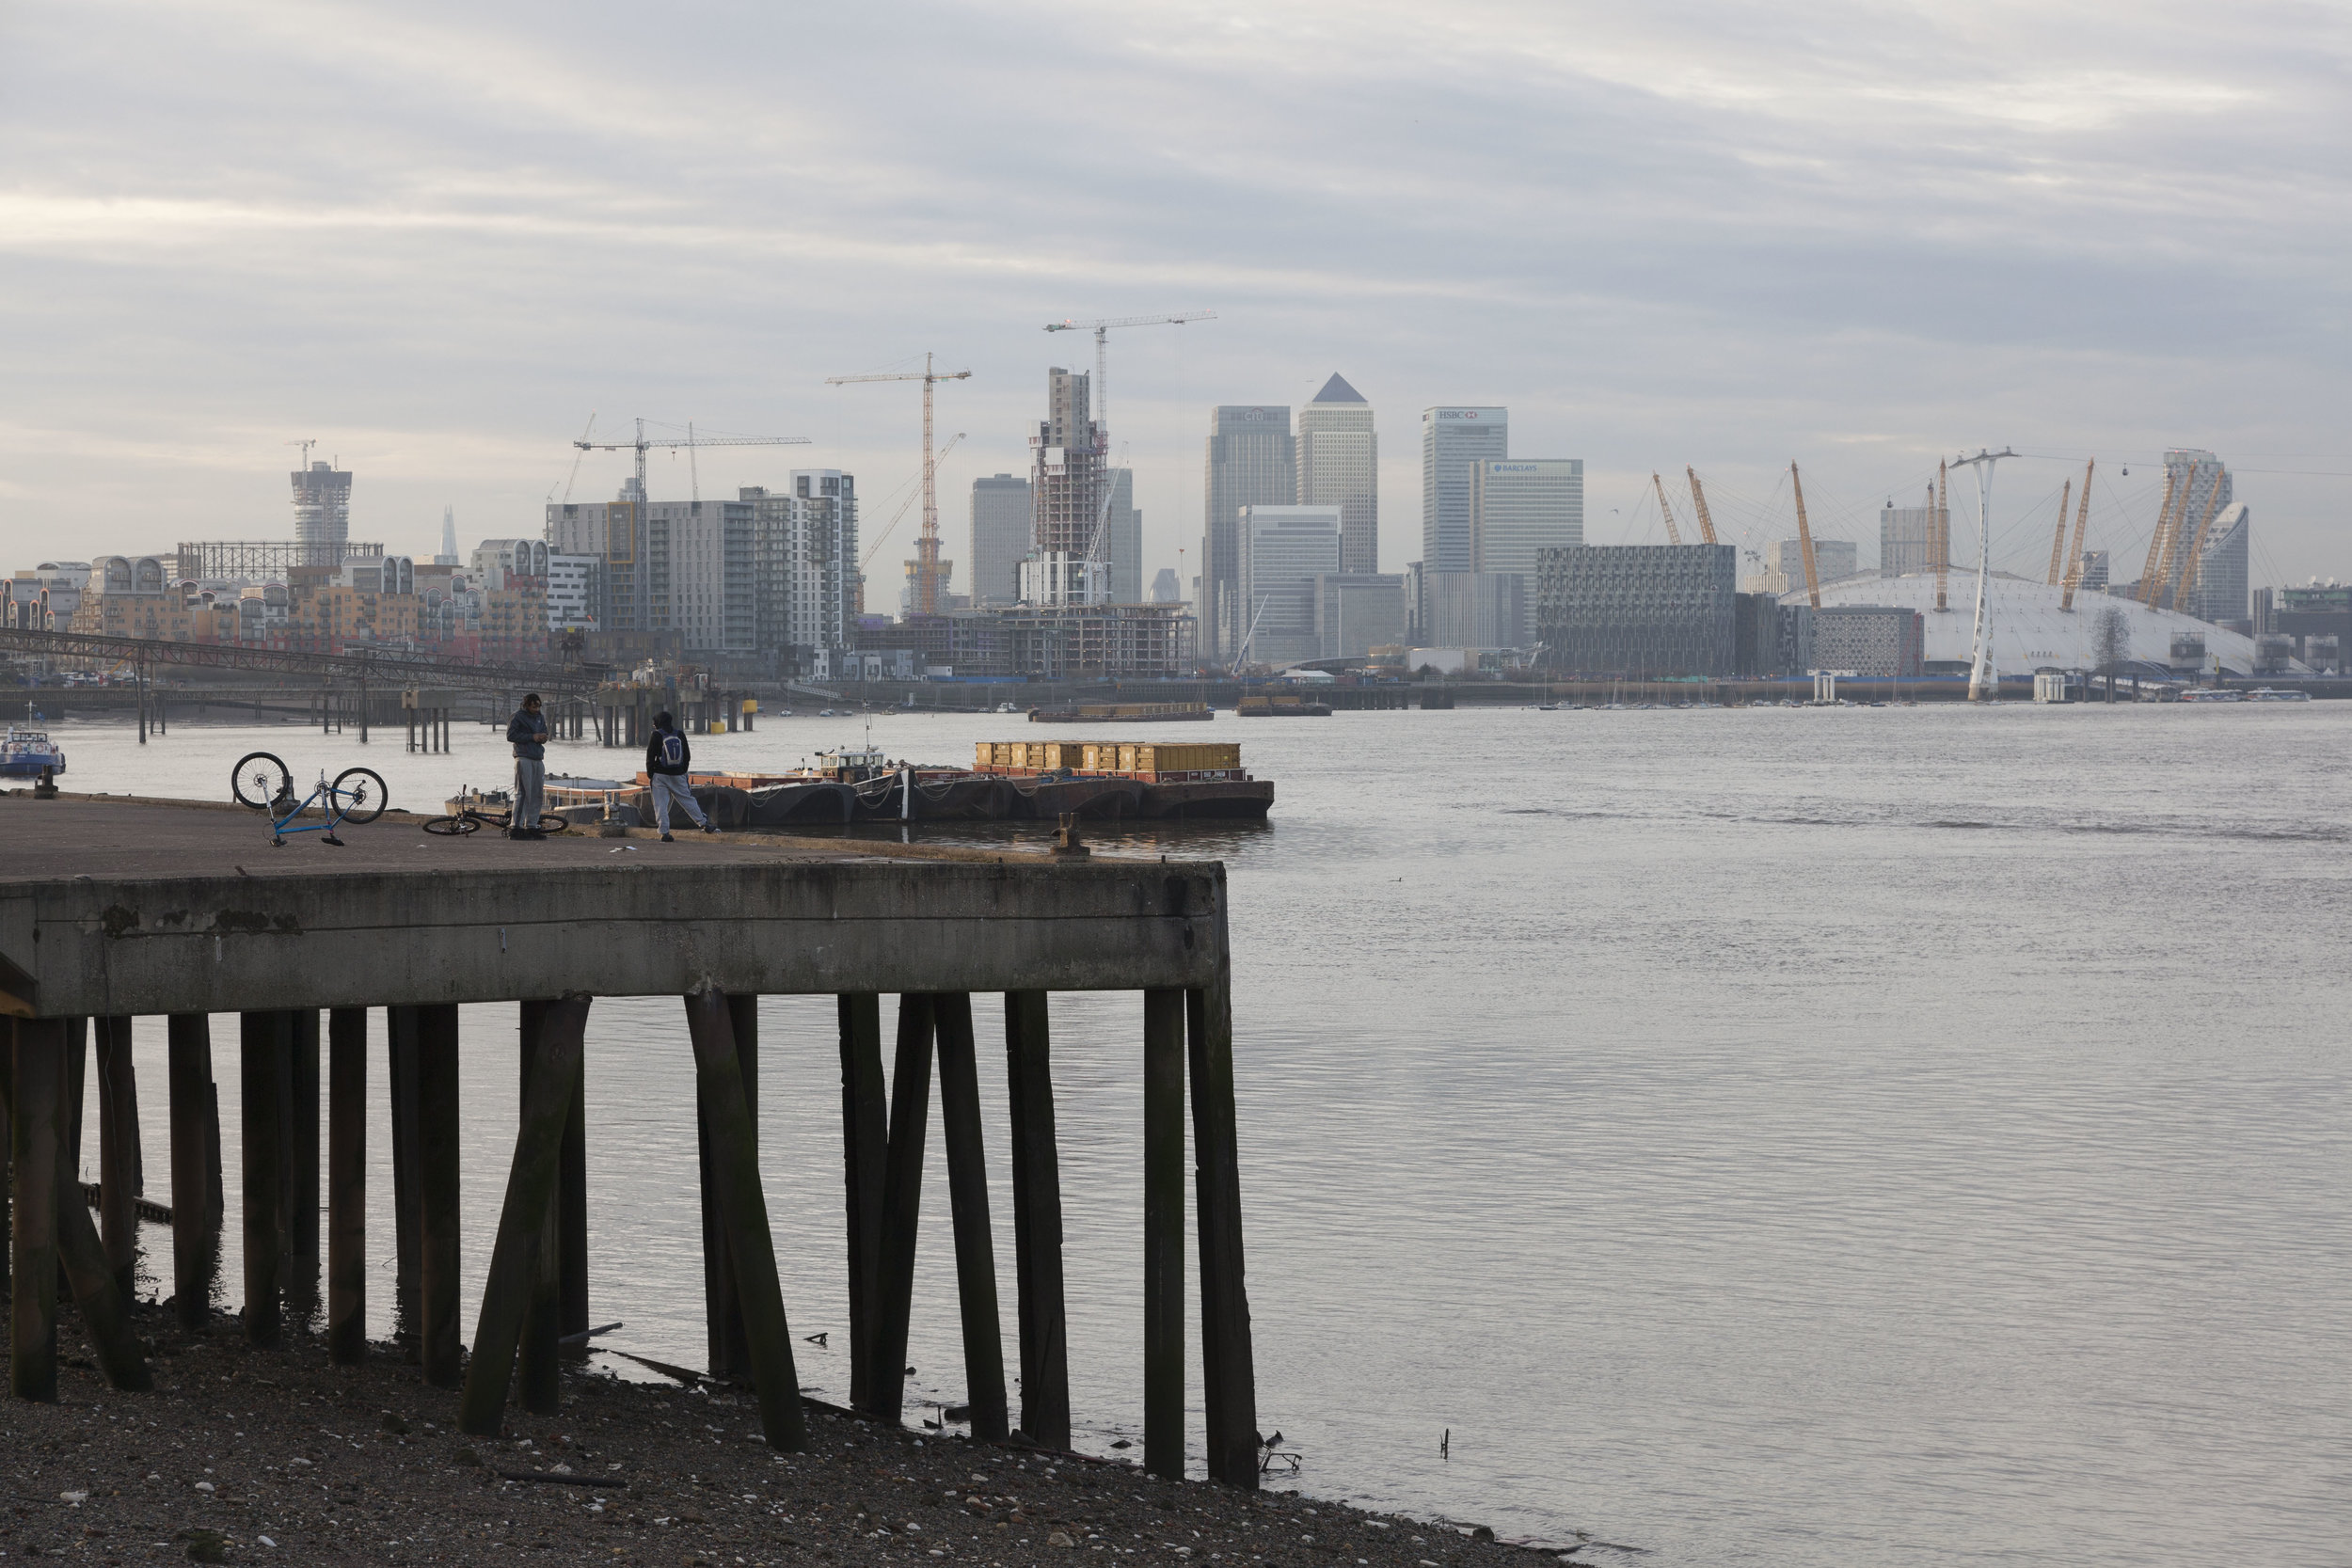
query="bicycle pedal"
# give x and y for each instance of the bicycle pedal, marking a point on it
(333, 840)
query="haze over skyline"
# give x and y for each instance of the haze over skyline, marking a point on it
(436, 239)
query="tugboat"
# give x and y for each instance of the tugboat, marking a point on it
(25, 753)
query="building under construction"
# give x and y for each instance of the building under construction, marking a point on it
(1066, 469)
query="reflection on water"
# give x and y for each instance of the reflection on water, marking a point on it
(1761, 1136)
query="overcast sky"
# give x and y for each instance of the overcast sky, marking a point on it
(439, 237)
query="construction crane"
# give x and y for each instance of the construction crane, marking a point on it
(1102, 330)
(1804, 541)
(929, 571)
(1941, 527)
(1698, 499)
(2157, 540)
(884, 537)
(2057, 540)
(569, 480)
(2197, 544)
(2082, 520)
(306, 447)
(645, 442)
(1660, 485)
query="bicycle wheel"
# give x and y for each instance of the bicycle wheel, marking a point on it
(259, 778)
(552, 825)
(361, 794)
(450, 826)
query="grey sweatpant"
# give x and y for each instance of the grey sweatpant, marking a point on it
(531, 782)
(672, 786)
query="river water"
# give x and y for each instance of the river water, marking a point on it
(1857, 1136)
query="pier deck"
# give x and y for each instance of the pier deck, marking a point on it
(111, 909)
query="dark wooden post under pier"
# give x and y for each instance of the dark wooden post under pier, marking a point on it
(1037, 1222)
(195, 1167)
(347, 1185)
(572, 1212)
(261, 1052)
(967, 1198)
(35, 1140)
(437, 1238)
(902, 1205)
(400, 1029)
(1227, 1364)
(119, 1175)
(865, 1156)
(513, 1294)
(299, 1177)
(8, 1143)
(542, 1314)
(1163, 1233)
(723, 1311)
(744, 1207)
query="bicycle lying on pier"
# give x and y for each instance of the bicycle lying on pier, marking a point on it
(469, 820)
(262, 783)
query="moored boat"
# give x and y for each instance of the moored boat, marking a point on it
(23, 754)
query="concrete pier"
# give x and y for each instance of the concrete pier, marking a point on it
(113, 909)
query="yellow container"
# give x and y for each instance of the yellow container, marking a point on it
(1186, 756)
(1126, 757)
(984, 754)
(1091, 758)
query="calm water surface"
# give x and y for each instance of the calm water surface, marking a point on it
(1859, 1136)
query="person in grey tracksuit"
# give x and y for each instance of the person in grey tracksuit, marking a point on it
(667, 759)
(527, 731)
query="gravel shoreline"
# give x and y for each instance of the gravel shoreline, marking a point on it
(249, 1456)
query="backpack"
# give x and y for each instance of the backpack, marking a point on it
(672, 748)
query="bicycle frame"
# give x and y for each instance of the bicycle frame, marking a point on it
(320, 797)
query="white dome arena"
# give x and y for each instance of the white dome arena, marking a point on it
(2030, 629)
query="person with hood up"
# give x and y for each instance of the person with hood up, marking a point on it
(527, 733)
(667, 757)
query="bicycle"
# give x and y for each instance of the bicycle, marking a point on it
(468, 821)
(260, 782)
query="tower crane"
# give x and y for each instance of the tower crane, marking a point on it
(646, 442)
(2082, 520)
(1102, 329)
(1672, 536)
(1698, 499)
(929, 571)
(1804, 541)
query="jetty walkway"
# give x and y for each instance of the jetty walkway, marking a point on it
(112, 909)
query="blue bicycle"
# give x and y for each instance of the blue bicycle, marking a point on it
(262, 783)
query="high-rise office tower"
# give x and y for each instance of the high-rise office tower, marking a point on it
(322, 498)
(1122, 538)
(1283, 550)
(1065, 469)
(449, 538)
(1907, 536)
(1450, 440)
(1252, 461)
(2197, 488)
(1339, 465)
(1522, 505)
(1001, 525)
(2219, 592)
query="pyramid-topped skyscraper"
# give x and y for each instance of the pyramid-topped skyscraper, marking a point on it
(1339, 465)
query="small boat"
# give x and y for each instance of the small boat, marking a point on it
(25, 753)
(2272, 694)
(2211, 694)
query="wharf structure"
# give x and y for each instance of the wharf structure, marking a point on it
(115, 909)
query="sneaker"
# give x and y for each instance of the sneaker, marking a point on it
(710, 826)
(667, 839)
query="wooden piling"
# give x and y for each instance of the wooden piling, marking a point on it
(511, 1290)
(400, 1028)
(299, 1179)
(865, 1157)
(1163, 1233)
(195, 1165)
(105, 1307)
(1037, 1222)
(540, 1356)
(437, 1219)
(347, 1186)
(902, 1204)
(722, 1312)
(744, 1205)
(8, 1143)
(35, 1139)
(119, 1163)
(262, 1051)
(1227, 1364)
(572, 1211)
(967, 1198)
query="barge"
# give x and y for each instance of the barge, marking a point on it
(1124, 713)
(1015, 780)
